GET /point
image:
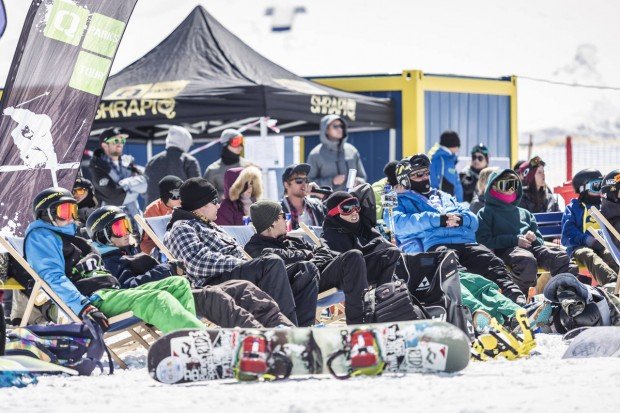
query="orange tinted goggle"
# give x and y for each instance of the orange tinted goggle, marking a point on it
(121, 227)
(79, 191)
(67, 211)
(236, 141)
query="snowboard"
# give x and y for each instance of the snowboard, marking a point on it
(595, 342)
(25, 364)
(401, 347)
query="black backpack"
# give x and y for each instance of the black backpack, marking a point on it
(391, 302)
(433, 279)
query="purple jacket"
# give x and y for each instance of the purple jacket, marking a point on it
(235, 179)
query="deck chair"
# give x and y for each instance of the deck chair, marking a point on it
(608, 233)
(136, 332)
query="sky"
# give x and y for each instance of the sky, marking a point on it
(559, 40)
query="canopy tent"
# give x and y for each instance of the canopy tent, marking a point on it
(205, 77)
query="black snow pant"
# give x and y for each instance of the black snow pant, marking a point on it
(238, 303)
(524, 263)
(479, 259)
(269, 274)
(380, 265)
(304, 279)
(347, 272)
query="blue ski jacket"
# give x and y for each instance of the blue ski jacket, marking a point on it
(417, 216)
(43, 248)
(443, 173)
(574, 235)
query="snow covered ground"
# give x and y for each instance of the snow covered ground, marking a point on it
(543, 383)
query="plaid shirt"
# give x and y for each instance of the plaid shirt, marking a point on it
(204, 248)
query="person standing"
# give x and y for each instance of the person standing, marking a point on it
(331, 160)
(232, 147)
(469, 175)
(117, 180)
(443, 165)
(173, 161)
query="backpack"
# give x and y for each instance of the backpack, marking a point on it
(391, 302)
(77, 346)
(433, 279)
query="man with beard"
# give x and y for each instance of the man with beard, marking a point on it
(296, 200)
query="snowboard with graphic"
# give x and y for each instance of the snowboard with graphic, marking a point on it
(401, 347)
(595, 342)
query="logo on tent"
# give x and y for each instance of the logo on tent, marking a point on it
(424, 285)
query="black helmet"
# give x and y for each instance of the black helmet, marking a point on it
(98, 224)
(581, 178)
(611, 186)
(403, 169)
(45, 201)
(419, 161)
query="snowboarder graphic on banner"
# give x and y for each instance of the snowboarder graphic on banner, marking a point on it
(33, 138)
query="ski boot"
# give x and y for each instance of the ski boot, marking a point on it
(495, 340)
(256, 360)
(362, 354)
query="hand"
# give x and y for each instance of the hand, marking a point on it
(453, 220)
(9, 111)
(523, 242)
(338, 179)
(178, 267)
(311, 187)
(531, 237)
(94, 314)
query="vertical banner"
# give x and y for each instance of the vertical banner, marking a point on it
(2, 18)
(59, 70)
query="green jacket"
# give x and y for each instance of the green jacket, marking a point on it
(378, 188)
(501, 223)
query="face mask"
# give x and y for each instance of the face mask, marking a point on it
(421, 187)
(506, 198)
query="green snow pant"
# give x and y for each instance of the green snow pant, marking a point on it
(478, 293)
(167, 304)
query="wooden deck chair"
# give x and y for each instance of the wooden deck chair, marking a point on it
(609, 233)
(125, 323)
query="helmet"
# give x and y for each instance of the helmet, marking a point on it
(419, 161)
(99, 223)
(581, 178)
(611, 186)
(403, 169)
(45, 201)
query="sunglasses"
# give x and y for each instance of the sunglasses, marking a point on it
(115, 140)
(477, 158)
(121, 227)
(506, 185)
(594, 186)
(420, 174)
(236, 141)
(346, 207)
(337, 126)
(67, 211)
(79, 192)
(215, 201)
(175, 195)
(300, 181)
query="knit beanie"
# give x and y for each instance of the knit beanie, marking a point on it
(196, 193)
(264, 214)
(450, 139)
(179, 137)
(481, 149)
(336, 198)
(390, 172)
(229, 134)
(167, 185)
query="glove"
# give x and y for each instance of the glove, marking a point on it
(140, 263)
(177, 267)
(443, 220)
(91, 312)
(88, 264)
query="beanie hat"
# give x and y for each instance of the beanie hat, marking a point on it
(179, 137)
(390, 172)
(168, 186)
(450, 139)
(196, 193)
(336, 198)
(527, 170)
(419, 161)
(481, 148)
(264, 214)
(228, 134)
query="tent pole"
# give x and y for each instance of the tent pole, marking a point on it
(263, 127)
(149, 150)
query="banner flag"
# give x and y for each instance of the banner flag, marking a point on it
(60, 67)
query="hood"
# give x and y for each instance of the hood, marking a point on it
(39, 223)
(442, 152)
(326, 120)
(236, 178)
(179, 214)
(491, 200)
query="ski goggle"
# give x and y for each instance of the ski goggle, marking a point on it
(67, 211)
(121, 227)
(115, 140)
(79, 192)
(594, 186)
(420, 174)
(236, 141)
(506, 185)
(536, 161)
(346, 207)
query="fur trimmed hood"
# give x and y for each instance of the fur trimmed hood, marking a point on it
(236, 178)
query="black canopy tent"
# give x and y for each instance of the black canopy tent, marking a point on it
(204, 77)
